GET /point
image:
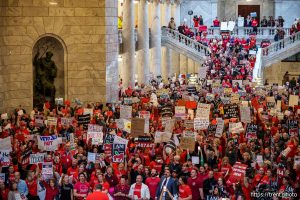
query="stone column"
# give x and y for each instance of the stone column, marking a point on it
(183, 64)
(175, 63)
(176, 12)
(129, 43)
(166, 53)
(156, 39)
(191, 66)
(143, 43)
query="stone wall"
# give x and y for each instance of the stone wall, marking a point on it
(87, 28)
(274, 73)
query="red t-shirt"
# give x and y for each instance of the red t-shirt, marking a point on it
(82, 188)
(152, 184)
(194, 185)
(32, 188)
(216, 23)
(137, 190)
(184, 191)
(155, 165)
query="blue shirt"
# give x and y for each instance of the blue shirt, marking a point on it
(22, 187)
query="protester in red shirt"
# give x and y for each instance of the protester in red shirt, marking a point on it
(194, 183)
(81, 188)
(32, 187)
(216, 22)
(152, 183)
(185, 191)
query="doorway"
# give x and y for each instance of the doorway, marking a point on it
(245, 10)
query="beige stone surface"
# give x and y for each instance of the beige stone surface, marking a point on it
(87, 29)
(275, 73)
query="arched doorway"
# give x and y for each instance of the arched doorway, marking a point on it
(48, 59)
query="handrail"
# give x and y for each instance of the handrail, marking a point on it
(186, 41)
(280, 45)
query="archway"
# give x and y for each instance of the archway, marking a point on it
(48, 58)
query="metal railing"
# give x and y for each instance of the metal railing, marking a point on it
(281, 45)
(184, 40)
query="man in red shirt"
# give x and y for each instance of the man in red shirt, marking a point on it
(194, 184)
(97, 194)
(254, 25)
(153, 182)
(216, 22)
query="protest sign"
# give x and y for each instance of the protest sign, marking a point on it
(144, 142)
(20, 112)
(220, 127)
(169, 124)
(120, 140)
(293, 127)
(180, 112)
(231, 111)
(5, 144)
(187, 143)
(88, 111)
(235, 98)
(227, 91)
(97, 137)
(293, 100)
(211, 130)
(118, 153)
(251, 131)
(127, 125)
(66, 121)
(145, 115)
(128, 101)
(47, 143)
(201, 123)
(137, 127)
(238, 173)
(195, 160)
(4, 116)
(47, 170)
(191, 114)
(36, 158)
(225, 100)
(245, 114)
(203, 111)
(4, 158)
(52, 121)
(190, 134)
(162, 136)
(210, 97)
(202, 72)
(91, 157)
(108, 141)
(270, 102)
(2, 177)
(231, 25)
(39, 120)
(120, 123)
(125, 112)
(188, 124)
(84, 120)
(236, 127)
(72, 142)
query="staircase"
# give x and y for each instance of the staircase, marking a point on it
(274, 53)
(183, 44)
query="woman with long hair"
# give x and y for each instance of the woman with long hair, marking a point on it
(13, 193)
(66, 188)
(185, 191)
(51, 189)
(81, 188)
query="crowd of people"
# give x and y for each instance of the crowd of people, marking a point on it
(212, 138)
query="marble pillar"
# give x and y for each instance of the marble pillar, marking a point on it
(197, 67)
(191, 66)
(129, 44)
(143, 66)
(183, 64)
(175, 63)
(156, 39)
(166, 52)
(176, 12)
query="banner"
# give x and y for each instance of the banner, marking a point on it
(203, 111)
(107, 146)
(251, 131)
(118, 153)
(120, 140)
(84, 120)
(47, 143)
(162, 137)
(245, 114)
(51, 121)
(137, 127)
(5, 144)
(4, 158)
(72, 142)
(36, 158)
(201, 123)
(180, 112)
(220, 127)
(231, 111)
(125, 112)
